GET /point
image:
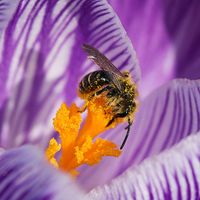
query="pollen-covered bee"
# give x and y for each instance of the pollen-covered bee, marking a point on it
(118, 88)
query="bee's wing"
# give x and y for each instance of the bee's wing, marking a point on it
(115, 79)
(104, 63)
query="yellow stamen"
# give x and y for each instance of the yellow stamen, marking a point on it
(53, 148)
(78, 145)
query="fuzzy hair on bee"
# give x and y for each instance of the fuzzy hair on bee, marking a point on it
(117, 87)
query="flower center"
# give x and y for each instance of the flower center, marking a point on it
(78, 145)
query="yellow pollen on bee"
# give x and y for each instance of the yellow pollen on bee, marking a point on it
(79, 145)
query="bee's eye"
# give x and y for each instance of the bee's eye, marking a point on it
(127, 111)
(125, 96)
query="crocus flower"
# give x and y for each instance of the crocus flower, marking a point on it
(41, 65)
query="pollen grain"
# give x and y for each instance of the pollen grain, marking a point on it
(79, 145)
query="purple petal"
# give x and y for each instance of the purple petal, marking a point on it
(174, 174)
(43, 61)
(7, 9)
(25, 174)
(165, 117)
(166, 38)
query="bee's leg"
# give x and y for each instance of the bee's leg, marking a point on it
(118, 115)
(107, 88)
(121, 115)
(127, 133)
(84, 107)
(110, 122)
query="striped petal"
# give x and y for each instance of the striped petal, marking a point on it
(174, 174)
(43, 61)
(165, 117)
(7, 9)
(26, 175)
(166, 38)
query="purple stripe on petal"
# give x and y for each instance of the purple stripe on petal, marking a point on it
(164, 118)
(185, 33)
(170, 175)
(7, 9)
(166, 38)
(25, 174)
(43, 61)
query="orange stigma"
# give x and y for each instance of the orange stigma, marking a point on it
(80, 145)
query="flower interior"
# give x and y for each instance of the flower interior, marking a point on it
(78, 141)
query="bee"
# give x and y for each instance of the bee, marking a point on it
(117, 87)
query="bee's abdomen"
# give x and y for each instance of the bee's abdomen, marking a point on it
(93, 81)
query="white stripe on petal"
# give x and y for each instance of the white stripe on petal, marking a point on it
(7, 9)
(165, 117)
(173, 174)
(26, 175)
(43, 61)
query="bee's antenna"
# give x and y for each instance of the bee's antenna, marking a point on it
(127, 133)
